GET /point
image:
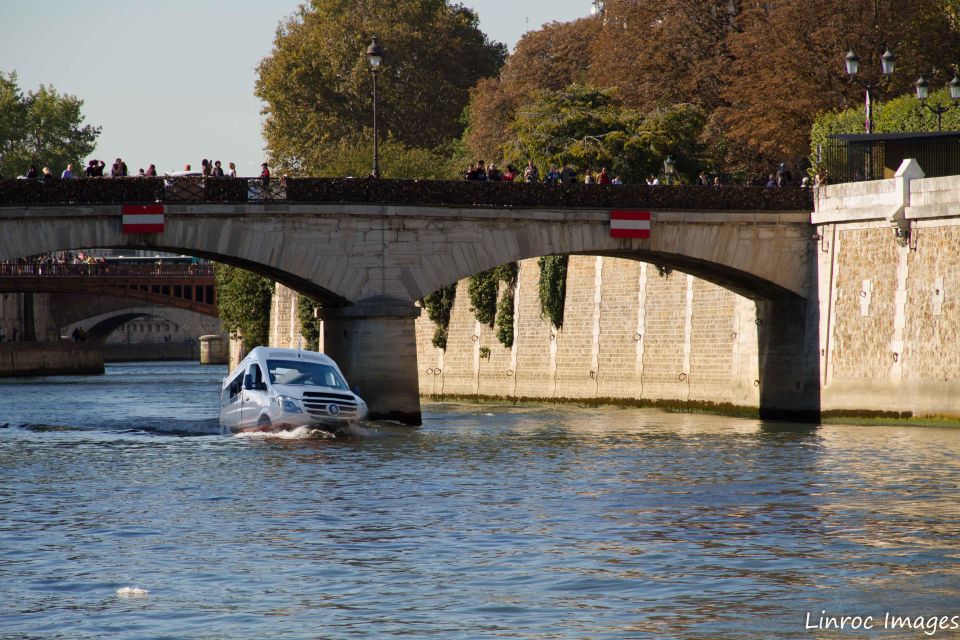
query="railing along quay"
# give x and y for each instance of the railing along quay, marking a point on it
(106, 271)
(444, 193)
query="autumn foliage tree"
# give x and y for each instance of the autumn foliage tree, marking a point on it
(550, 59)
(760, 71)
(788, 63)
(316, 83)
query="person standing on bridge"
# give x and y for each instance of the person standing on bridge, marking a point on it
(217, 170)
(119, 169)
(265, 174)
(68, 173)
(233, 170)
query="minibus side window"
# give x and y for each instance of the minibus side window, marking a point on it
(236, 386)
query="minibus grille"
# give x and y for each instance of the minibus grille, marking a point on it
(318, 404)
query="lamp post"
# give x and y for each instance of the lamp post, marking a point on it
(668, 170)
(596, 8)
(923, 91)
(887, 62)
(375, 58)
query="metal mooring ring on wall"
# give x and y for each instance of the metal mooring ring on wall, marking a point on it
(430, 371)
(636, 337)
(593, 374)
(758, 321)
(436, 372)
(756, 383)
(509, 372)
(682, 377)
(896, 356)
(474, 338)
(553, 337)
(733, 335)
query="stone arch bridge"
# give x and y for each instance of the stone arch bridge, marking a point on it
(368, 257)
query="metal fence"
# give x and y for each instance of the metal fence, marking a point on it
(851, 158)
(468, 194)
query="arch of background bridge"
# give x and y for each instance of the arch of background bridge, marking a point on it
(101, 331)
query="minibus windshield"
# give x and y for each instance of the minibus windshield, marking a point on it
(300, 372)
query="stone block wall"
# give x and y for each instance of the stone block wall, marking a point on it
(628, 332)
(284, 322)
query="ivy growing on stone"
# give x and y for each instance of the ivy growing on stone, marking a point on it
(482, 289)
(438, 306)
(309, 322)
(243, 299)
(553, 287)
(507, 273)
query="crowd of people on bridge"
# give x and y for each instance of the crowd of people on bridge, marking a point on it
(477, 171)
(98, 169)
(481, 171)
(50, 263)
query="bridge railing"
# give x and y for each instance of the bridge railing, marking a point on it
(459, 193)
(108, 270)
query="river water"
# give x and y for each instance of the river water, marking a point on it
(488, 522)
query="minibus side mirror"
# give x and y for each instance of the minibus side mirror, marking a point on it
(248, 382)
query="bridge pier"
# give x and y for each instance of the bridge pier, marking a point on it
(789, 360)
(375, 343)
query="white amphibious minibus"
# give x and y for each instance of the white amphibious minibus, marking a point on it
(275, 389)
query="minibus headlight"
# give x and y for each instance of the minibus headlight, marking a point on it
(289, 405)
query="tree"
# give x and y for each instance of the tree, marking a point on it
(666, 52)
(316, 83)
(590, 128)
(243, 299)
(549, 59)
(773, 98)
(42, 128)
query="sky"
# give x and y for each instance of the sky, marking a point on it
(171, 83)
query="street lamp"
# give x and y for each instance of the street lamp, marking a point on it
(668, 169)
(887, 62)
(596, 8)
(923, 90)
(375, 58)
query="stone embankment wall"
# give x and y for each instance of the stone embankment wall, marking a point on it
(889, 283)
(48, 359)
(628, 333)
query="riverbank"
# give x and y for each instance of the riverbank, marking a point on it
(23, 359)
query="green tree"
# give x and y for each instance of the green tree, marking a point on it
(243, 299)
(589, 128)
(316, 83)
(43, 128)
(309, 323)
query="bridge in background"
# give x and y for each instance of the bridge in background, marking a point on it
(184, 286)
(369, 249)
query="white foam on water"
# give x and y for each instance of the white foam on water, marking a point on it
(300, 433)
(132, 592)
